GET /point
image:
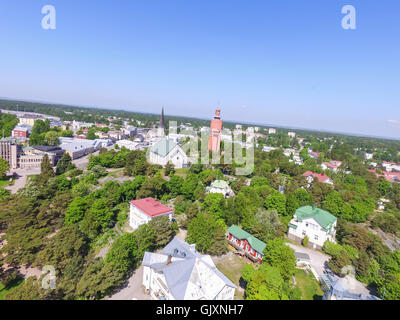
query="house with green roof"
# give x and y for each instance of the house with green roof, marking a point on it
(167, 150)
(220, 186)
(245, 243)
(317, 224)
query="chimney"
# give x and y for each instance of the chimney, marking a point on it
(169, 260)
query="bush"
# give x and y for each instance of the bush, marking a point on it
(305, 241)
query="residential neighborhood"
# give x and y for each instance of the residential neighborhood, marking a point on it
(199, 159)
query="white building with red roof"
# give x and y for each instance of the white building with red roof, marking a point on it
(314, 155)
(144, 210)
(321, 177)
(388, 175)
(390, 166)
(332, 165)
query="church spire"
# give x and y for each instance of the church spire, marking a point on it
(162, 121)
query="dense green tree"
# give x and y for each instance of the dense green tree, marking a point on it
(214, 204)
(76, 210)
(124, 252)
(281, 256)
(64, 164)
(4, 167)
(276, 201)
(208, 234)
(164, 231)
(174, 185)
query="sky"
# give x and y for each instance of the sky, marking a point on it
(280, 62)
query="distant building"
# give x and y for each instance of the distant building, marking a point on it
(268, 149)
(319, 225)
(29, 119)
(182, 273)
(271, 130)
(367, 156)
(166, 150)
(390, 166)
(245, 243)
(314, 155)
(9, 151)
(131, 145)
(144, 210)
(21, 131)
(220, 186)
(292, 134)
(321, 177)
(214, 143)
(332, 165)
(32, 157)
(77, 148)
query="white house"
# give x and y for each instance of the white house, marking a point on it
(182, 273)
(332, 165)
(292, 134)
(271, 130)
(321, 177)
(220, 186)
(130, 145)
(389, 166)
(319, 225)
(166, 150)
(144, 210)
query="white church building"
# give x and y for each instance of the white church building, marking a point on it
(166, 150)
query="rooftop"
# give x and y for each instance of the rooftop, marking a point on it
(163, 147)
(324, 218)
(187, 269)
(151, 207)
(239, 233)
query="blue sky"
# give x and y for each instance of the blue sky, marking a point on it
(283, 62)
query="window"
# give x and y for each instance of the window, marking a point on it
(315, 237)
(303, 233)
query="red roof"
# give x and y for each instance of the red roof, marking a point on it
(151, 207)
(320, 176)
(390, 176)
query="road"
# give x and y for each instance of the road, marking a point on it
(82, 162)
(319, 262)
(20, 181)
(132, 289)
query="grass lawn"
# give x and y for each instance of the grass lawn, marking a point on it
(5, 181)
(182, 172)
(14, 284)
(309, 286)
(231, 266)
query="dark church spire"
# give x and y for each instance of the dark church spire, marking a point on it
(162, 121)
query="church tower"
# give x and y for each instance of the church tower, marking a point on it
(214, 143)
(161, 125)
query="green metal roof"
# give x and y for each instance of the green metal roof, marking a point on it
(163, 147)
(324, 218)
(292, 225)
(221, 184)
(239, 233)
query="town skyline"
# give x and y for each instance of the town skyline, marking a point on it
(261, 61)
(234, 121)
